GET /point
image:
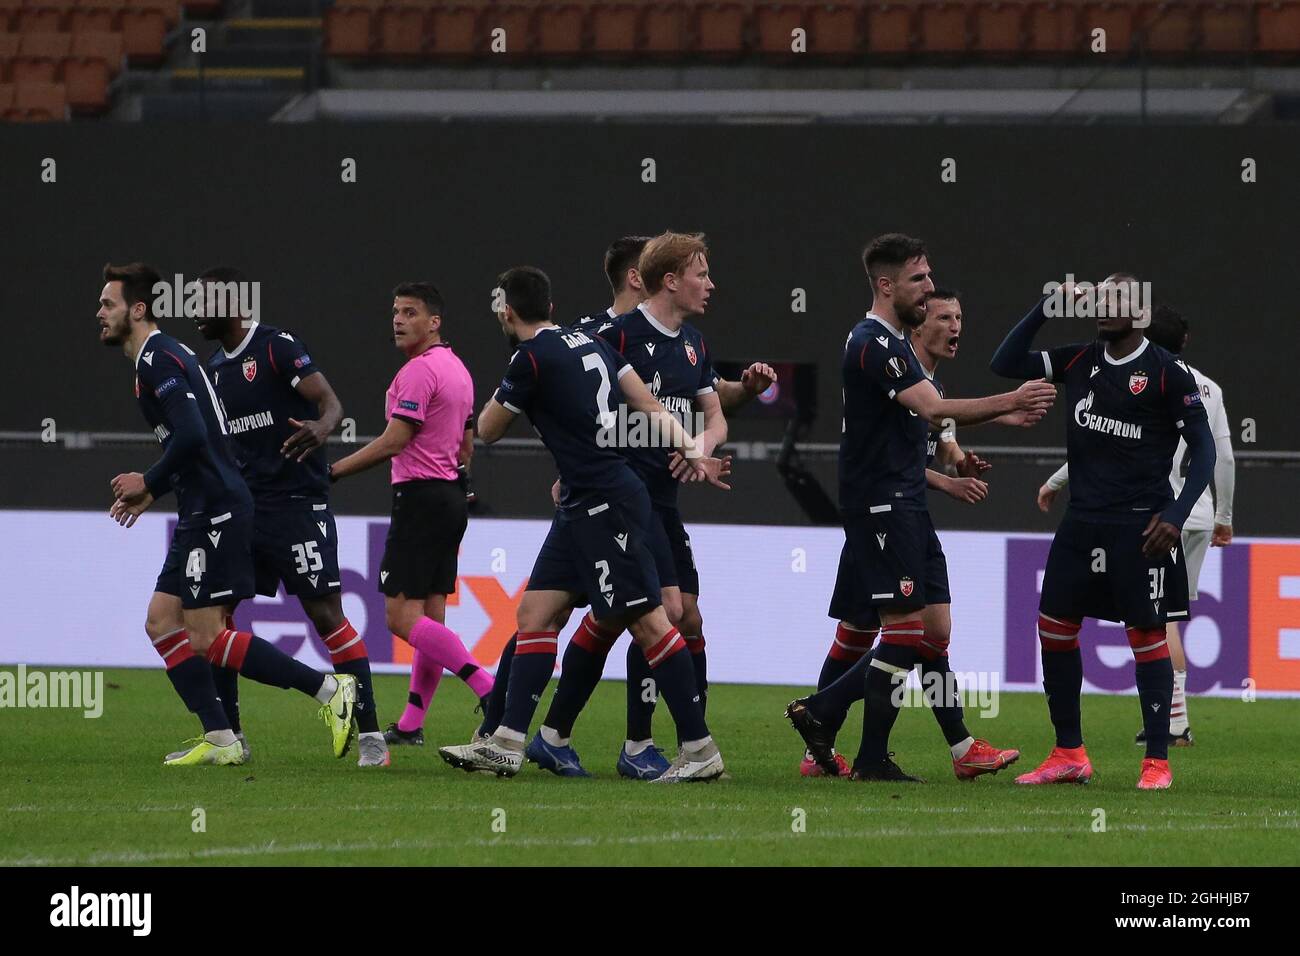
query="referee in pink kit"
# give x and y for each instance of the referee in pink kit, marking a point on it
(430, 408)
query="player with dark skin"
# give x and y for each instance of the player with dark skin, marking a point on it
(326, 613)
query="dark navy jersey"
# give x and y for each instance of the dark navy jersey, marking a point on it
(934, 436)
(1125, 418)
(257, 384)
(567, 383)
(592, 321)
(676, 367)
(177, 399)
(883, 445)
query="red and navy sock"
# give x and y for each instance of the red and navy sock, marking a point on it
(675, 678)
(257, 660)
(890, 663)
(529, 673)
(1062, 676)
(940, 691)
(700, 662)
(192, 678)
(496, 705)
(348, 655)
(848, 647)
(640, 686)
(1155, 684)
(227, 684)
(580, 672)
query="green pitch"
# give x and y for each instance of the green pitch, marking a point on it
(77, 791)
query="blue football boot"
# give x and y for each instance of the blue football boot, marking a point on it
(649, 764)
(561, 761)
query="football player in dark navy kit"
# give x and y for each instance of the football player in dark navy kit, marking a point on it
(280, 410)
(1117, 554)
(892, 563)
(572, 387)
(956, 473)
(585, 656)
(208, 568)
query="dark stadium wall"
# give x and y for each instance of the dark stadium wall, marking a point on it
(785, 208)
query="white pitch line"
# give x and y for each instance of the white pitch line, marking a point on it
(272, 848)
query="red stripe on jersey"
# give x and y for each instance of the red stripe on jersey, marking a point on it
(1076, 358)
(1162, 381)
(270, 354)
(175, 359)
(862, 359)
(537, 373)
(622, 340)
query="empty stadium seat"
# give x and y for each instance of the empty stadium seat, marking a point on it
(8, 50)
(774, 26)
(517, 19)
(944, 27)
(561, 27)
(1168, 29)
(891, 29)
(96, 58)
(1054, 29)
(1277, 27)
(40, 57)
(96, 15)
(1226, 26)
(1117, 17)
(39, 102)
(615, 27)
(401, 29)
(837, 29)
(665, 28)
(144, 32)
(720, 27)
(349, 27)
(999, 27)
(455, 29)
(44, 16)
(9, 10)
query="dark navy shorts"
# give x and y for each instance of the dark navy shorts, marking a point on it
(1097, 570)
(211, 563)
(890, 558)
(602, 550)
(296, 542)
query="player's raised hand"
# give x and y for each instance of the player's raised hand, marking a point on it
(1046, 496)
(969, 490)
(712, 470)
(125, 514)
(972, 466)
(311, 434)
(758, 378)
(1160, 536)
(555, 492)
(1222, 536)
(1036, 395)
(129, 486)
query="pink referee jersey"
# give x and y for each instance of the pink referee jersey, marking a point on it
(433, 392)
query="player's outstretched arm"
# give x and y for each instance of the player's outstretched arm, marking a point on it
(755, 380)
(1034, 398)
(969, 490)
(700, 467)
(1164, 529)
(1047, 493)
(1013, 359)
(396, 436)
